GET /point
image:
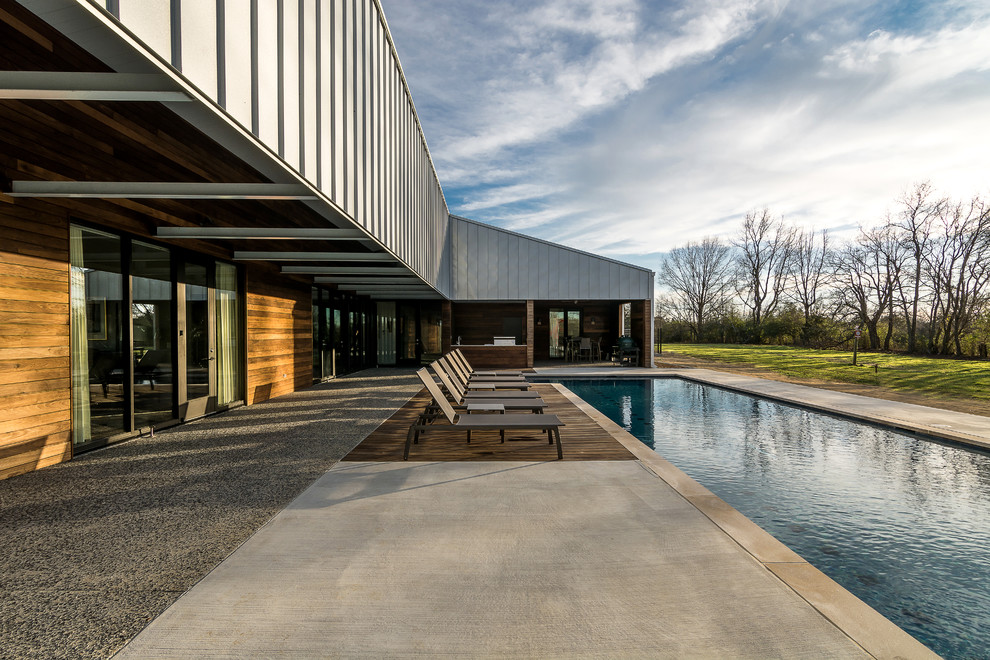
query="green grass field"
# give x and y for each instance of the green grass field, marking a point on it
(905, 373)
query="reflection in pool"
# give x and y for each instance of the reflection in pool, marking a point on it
(900, 521)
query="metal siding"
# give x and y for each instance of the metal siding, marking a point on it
(266, 96)
(514, 268)
(553, 267)
(151, 22)
(309, 147)
(324, 153)
(544, 270)
(503, 276)
(290, 82)
(237, 61)
(198, 21)
(625, 285)
(339, 144)
(563, 273)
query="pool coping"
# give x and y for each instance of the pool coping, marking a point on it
(872, 631)
(961, 428)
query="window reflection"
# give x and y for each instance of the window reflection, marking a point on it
(97, 343)
(151, 318)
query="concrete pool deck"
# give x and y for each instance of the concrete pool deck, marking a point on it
(524, 559)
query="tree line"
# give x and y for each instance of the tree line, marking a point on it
(917, 281)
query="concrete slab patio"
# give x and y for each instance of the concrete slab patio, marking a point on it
(520, 559)
(527, 558)
(534, 560)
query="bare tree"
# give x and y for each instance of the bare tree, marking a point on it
(765, 248)
(809, 270)
(959, 272)
(866, 273)
(920, 208)
(700, 276)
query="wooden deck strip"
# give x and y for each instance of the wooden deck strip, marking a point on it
(582, 439)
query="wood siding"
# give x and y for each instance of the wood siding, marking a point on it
(495, 357)
(640, 314)
(279, 336)
(481, 323)
(34, 337)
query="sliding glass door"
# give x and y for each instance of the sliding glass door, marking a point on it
(155, 338)
(199, 347)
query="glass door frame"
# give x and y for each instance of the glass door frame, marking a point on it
(200, 405)
(565, 313)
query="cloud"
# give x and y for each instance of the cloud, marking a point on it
(630, 127)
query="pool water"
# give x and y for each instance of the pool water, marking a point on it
(900, 521)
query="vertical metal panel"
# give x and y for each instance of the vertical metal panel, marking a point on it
(151, 21)
(347, 59)
(237, 61)
(324, 159)
(291, 90)
(357, 109)
(544, 270)
(501, 246)
(320, 84)
(199, 45)
(338, 108)
(487, 263)
(552, 269)
(268, 72)
(310, 72)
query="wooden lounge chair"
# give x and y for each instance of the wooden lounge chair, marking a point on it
(459, 355)
(494, 383)
(458, 366)
(533, 404)
(501, 423)
(462, 396)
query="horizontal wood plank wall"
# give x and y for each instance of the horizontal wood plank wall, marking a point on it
(495, 357)
(35, 405)
(279, 336)
(479, 323)
(639, 319)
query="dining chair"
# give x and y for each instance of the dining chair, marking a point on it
(585, 348)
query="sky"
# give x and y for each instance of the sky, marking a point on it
(629, 127)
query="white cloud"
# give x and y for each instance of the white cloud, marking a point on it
(631, 127)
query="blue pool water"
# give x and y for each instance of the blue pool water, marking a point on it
(902, 522)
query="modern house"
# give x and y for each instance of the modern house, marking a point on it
(209, 203)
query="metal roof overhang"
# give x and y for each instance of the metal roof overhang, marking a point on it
(139, 74)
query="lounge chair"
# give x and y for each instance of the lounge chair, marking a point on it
(533, 404)
(501, 423)
(459, 355)
(463, 396)
(467, 375)
(493, 383)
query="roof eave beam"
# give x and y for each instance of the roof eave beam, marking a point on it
(350, 281)
(312, 256)
(159, 190)
(85, 86)
(246, 233)
(373, 269)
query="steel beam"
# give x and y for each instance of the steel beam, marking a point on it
(312, 256)
(85, 86)
(159, 190)
(368, 280)
(373, 269)
(246, 233)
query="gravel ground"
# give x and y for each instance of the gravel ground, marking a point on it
(95, 548)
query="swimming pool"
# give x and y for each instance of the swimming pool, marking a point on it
(900, 521)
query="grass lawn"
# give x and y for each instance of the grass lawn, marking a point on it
(903, 373)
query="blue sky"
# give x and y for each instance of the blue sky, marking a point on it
(629, 127)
